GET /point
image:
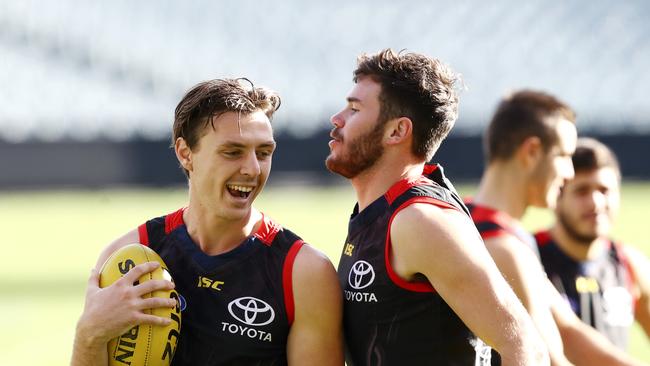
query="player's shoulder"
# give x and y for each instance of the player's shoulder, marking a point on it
(423, 216)
(130, 237)
(628, 250)
(424, 210)
(441, 227)
(635, 257)
(313, 270)
(310, 259)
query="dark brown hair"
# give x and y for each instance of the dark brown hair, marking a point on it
(208, 100)
(414, 86)
(592, 154)
(522, 115)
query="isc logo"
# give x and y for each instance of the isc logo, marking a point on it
(348, 249)
(210, 283)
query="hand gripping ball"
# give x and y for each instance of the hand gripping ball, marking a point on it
(143, 345)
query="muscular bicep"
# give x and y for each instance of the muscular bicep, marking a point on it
(445, 247)
(316, 335)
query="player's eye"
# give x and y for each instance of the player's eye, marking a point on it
(264, 154)
(231, 153)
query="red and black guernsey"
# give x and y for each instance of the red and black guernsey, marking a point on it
(237, 307)
(599, 290)
(492, 223)
(387, 320)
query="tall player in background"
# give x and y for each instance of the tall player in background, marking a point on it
(415, 272)
(268, 279)
(606, 283)
(528, 147)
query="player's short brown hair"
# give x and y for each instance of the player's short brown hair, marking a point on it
(414, 86)
(209, 99)
(591, 155)
(521, 115)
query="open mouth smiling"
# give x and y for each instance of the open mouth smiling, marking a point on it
(239, 191)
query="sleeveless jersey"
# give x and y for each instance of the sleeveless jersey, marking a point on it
(599, 290)
(237, 307)
(387, 320)
(491, 223)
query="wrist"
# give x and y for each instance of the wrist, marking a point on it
(87, 337)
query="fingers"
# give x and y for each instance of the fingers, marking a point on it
(136, 272)
(153, 320)
(157, 302)
(153, 285)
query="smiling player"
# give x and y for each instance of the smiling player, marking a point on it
(247, 284)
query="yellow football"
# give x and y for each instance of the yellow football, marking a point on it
(142, 345)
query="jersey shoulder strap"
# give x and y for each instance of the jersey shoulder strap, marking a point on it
(432, 187)
(155, 229)
(488, 222)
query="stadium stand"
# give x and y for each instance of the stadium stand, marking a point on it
(83, 70)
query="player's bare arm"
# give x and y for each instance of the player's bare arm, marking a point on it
(583, 344)
(111, 311)
(521, 269)
(455, 261)
(640, 266)
(316, 336)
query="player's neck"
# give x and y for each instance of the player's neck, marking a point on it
(376, 180)
(576, 249)
(214, 234)
(502, 189)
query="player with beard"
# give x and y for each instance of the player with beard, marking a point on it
(415, 273)
(261, 307)
(528, 147)
(606, 283)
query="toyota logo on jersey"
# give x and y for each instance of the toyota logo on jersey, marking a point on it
(251, 311)
(361, 275)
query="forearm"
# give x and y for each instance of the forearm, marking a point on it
(540, 313)
(88, 351)
(520, 343)
(584, 345)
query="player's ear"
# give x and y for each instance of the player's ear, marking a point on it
(183, 153)
(530, 152)
(398, 130)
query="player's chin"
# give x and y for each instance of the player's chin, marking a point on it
(237, 212)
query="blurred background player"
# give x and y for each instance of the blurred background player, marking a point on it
(528, 149)
(224, 142)
(415, 273)
(606, 283)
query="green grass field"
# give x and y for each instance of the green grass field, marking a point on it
(52, 239)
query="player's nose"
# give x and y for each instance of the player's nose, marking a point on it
(337, 120)
(250, 165)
